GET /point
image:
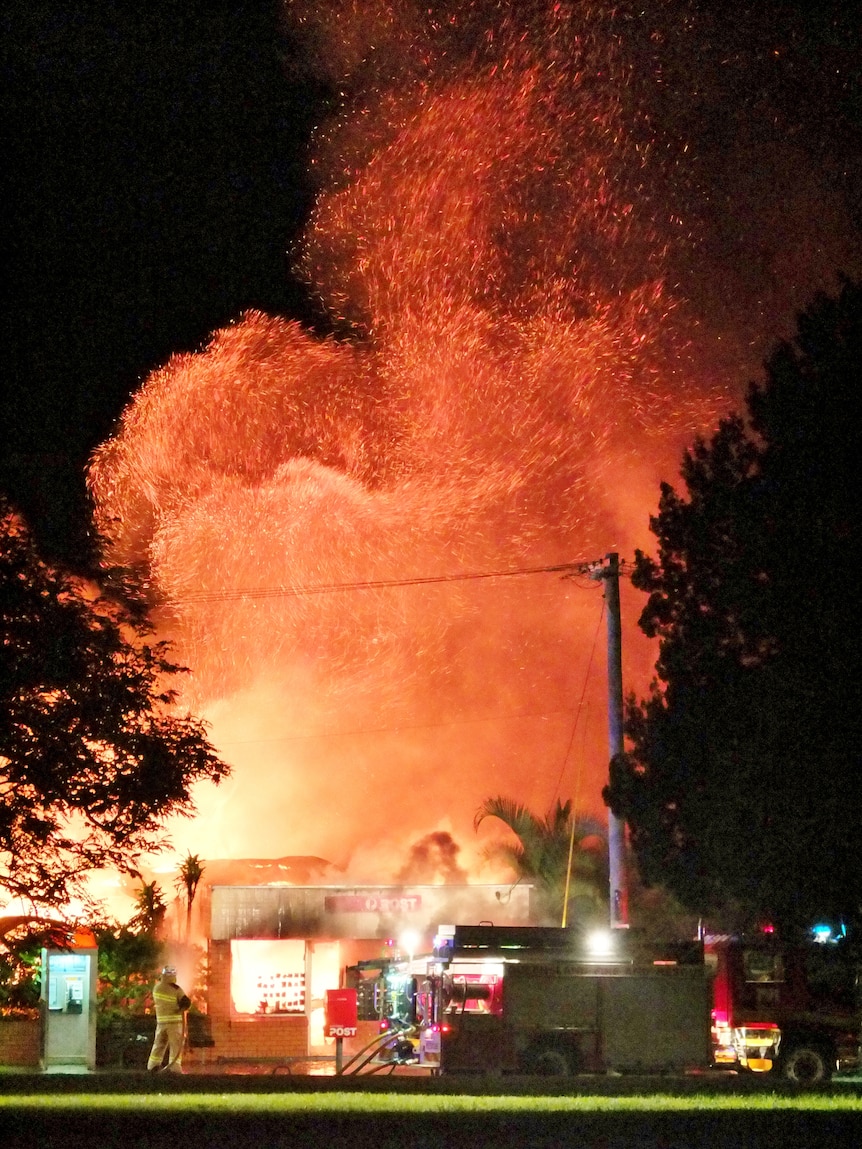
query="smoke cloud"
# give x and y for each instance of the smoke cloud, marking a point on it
(521, 362)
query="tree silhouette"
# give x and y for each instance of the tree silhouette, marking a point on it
(128, 961)
(741, 789)
(541, 851)
(190, 873)
(150, 910)
(93, 753)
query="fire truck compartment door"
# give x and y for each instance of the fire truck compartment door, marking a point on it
(656, 1022)
(550, 1001)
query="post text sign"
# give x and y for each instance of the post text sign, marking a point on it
(340, 1013)
(372, 903)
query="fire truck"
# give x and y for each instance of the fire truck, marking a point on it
(790, 1010)
(562, 1001)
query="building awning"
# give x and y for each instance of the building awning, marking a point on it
(333, 912)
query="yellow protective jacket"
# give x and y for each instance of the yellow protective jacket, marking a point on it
(166, 999)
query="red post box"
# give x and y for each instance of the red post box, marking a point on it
(340, 1013)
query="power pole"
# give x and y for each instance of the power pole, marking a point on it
(609, 571)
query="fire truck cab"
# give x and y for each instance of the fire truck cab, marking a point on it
(562, 1001)
(791, 1010)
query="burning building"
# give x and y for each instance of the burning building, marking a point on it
(274, 951)
(350, 539)
(346, 536)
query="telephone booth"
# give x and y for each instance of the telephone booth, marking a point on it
(69, 979)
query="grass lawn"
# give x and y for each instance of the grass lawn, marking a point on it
(154, 1118)
(388, 1104)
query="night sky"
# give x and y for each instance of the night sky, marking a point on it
(155, 180)
(155, 174)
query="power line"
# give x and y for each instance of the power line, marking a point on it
(504, 716)
(566, 569)
(577, 720)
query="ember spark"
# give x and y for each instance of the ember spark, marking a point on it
(514, 379)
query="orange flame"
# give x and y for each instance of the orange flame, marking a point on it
(511, 391)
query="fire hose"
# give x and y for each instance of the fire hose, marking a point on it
(379, 1042)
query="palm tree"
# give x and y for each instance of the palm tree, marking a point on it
(150, 910)
(554, 853)
(190, 873)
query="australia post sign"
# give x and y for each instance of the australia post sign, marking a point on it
(373, 902)
(340, 1011)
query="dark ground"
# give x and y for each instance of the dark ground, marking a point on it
(629, 1131)
(86, 1129)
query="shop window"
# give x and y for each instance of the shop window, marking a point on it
(268, 977)
(325, 973)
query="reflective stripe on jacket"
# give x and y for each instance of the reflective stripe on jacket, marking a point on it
(166, 998)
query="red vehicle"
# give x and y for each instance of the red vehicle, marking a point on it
(532, 1000)
(789, 1010)
(562, 1001)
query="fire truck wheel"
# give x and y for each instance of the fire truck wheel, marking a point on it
(806, 1065)
(548, 1062)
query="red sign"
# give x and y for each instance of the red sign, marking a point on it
(372, 903)
(340, 1013)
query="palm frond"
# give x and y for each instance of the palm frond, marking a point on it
(515, 815)
(542, 851)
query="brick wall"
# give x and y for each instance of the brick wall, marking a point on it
(267, 1038)
(218, 980)
(19, 1041)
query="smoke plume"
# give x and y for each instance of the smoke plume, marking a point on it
(518, 365)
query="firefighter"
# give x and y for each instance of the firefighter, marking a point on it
(171, 1003)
